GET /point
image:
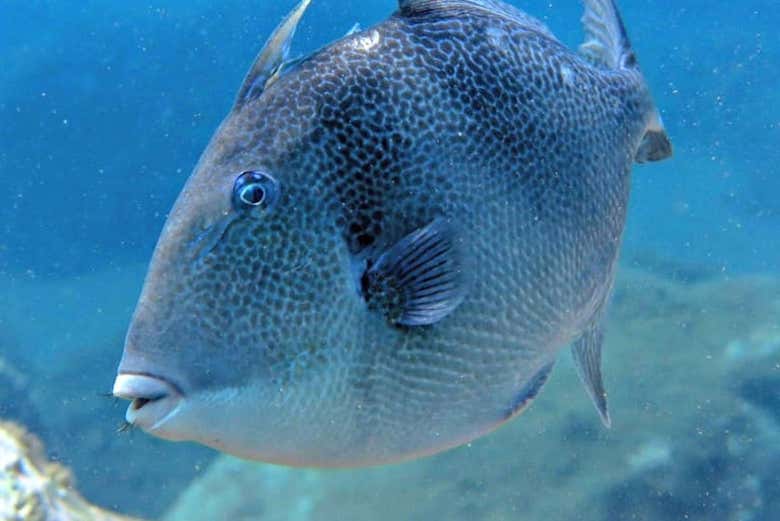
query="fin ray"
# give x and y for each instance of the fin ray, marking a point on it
(606, 41)
(418, 281)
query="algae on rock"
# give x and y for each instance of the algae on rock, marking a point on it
(60, 341)
(34, 489)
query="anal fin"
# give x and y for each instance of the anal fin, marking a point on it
(587, 356)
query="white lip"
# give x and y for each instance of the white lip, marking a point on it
(153, 400)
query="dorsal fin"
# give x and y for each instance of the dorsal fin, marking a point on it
(606, 40)
(273, 55)
(496, 7)
(607, 45)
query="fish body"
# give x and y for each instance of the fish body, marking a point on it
(386, 244)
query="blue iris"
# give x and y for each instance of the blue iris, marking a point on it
(255, 189)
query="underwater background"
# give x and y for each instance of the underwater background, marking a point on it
(104, 109)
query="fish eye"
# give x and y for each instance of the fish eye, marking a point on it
(254, 189)
(252, 194)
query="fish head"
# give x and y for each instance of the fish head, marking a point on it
(246, 303)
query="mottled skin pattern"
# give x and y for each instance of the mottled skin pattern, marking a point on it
(521, 144)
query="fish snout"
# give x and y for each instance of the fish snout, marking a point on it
(153, 400)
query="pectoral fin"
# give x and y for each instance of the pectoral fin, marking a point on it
(587, 356)
(419, 280)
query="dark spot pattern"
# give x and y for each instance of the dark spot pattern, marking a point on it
(484, 120)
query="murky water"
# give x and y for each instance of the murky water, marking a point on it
(104, 108)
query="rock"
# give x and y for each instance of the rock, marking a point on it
(60, 343)
(33, 489)
(729, 474)
(693, 372)
(15, 399)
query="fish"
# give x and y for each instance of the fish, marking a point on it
(387, 243)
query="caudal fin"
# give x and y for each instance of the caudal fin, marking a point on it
(656, 145)
(607, 45)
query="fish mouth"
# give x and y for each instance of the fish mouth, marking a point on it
(153, 400)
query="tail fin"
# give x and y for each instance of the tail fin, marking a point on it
(607, 45)
(656, 145)
(606, 40)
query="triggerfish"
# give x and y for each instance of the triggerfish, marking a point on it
(386, 244)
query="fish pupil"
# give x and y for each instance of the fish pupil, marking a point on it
(253, 194)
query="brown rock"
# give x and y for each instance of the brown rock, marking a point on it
(35, 489)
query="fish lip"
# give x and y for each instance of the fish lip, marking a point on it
(153, 399)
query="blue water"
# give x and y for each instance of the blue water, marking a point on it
(106, 106)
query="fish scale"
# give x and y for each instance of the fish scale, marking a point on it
(437, 208)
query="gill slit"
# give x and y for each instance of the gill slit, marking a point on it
(210, 237)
